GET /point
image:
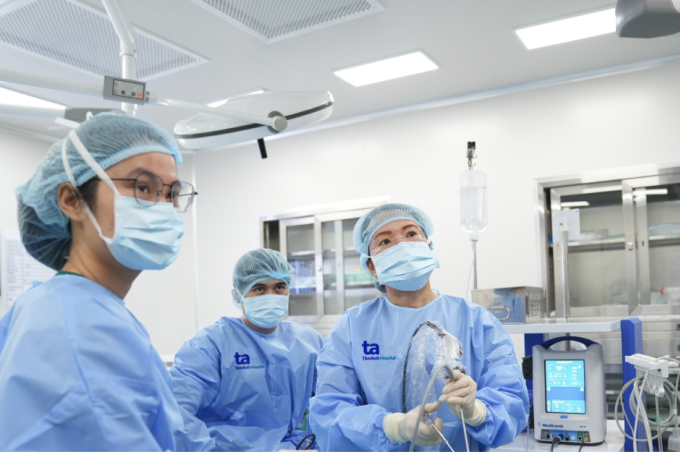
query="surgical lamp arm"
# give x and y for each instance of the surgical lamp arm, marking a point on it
(128, 45)
(278, 123)
(57, 84)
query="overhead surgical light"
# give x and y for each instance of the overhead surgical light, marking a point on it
(389, 69)
(567, 30)
(224, 101)
(205, 130)
(647, 18)
(244, 118)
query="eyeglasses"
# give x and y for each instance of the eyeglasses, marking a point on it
(385, 244)
(149, 189)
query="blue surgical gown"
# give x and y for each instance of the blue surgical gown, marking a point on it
(361, 373)
(78, 372)
(247, 390)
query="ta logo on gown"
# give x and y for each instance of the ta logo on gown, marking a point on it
(372, 352)
(242, 359)
(370, 349)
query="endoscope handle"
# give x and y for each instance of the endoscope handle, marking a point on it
(582, 340)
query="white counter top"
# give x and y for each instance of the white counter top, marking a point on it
(572, 325)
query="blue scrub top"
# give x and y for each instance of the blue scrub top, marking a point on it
(361, 373)
(78, 372)
(245, 389)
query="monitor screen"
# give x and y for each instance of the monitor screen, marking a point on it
(565, 386)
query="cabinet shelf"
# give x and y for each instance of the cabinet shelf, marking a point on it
(619, 243)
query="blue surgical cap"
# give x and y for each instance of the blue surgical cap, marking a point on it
(369, 223)
(257, 266)
(110, 138)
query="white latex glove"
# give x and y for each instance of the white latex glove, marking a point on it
(461, 396)
(399, 427)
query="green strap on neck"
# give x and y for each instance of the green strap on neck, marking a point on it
(60, 273)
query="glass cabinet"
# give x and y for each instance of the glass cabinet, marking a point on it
(328, 274)
(627, 259)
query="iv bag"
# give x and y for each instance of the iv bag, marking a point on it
(473, 216)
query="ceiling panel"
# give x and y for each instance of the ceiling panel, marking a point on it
(473, 43)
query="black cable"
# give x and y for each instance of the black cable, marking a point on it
(308, 446)
(583, 441)
(555, 440)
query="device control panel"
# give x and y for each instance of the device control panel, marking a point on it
(125, 90)
(566, 436)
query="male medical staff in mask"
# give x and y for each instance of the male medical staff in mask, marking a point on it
(247, 381)
(358, 402)
(77, 369)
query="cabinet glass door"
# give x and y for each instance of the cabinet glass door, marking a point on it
(597, 265)
(656, 203)
(297, 244)
(345, 283)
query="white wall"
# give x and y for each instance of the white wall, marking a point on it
(416, 158)
(164, 301)
(19, 157)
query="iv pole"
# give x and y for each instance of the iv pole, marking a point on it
(471, 155)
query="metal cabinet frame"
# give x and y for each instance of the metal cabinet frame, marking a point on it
(316, 216)
(548, 193)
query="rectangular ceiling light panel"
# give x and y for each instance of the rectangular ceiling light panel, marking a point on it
(81, 37)
(566, 30)
(274, 20)
(391, 68)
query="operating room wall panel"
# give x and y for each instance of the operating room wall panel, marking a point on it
(416, 157)
(19, 157)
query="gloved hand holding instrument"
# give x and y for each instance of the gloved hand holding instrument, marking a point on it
(435, 350)
(411, 426)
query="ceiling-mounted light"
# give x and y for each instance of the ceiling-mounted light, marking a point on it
(9, 97)
(389, 69)
(224, 101)
(566, 30)
(575, 204)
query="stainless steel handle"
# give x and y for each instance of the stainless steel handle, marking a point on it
(500, 308)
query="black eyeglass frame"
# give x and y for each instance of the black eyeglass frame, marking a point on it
(193, 193)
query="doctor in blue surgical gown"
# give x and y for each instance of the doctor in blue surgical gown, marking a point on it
(358, 402)
(246, 382)
(77, 369)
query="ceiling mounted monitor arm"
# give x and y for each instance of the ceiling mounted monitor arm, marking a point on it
(128, 45)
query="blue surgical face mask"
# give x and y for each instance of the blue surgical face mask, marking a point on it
(266, 311)
(406, 266)
(144, 238)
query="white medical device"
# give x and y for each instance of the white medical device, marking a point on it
(569, 393)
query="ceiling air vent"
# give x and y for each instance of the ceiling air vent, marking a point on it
(274, 20)
(83, 38)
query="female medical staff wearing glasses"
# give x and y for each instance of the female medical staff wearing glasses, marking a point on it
(77, 369)
(358, 402)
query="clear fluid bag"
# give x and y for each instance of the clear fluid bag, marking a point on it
(473, 212)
